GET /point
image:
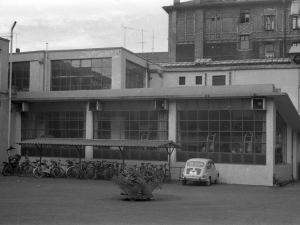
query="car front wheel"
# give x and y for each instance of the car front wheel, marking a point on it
(208, 182)
(184, 182)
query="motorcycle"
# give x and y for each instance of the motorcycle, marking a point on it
(12, 166)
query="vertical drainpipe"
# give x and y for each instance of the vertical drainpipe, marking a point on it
(45, 67)
(147, 75)
(284, 29)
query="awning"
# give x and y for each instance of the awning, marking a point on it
(123, 145)
(100, 142)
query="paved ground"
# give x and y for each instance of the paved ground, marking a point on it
(65, 201)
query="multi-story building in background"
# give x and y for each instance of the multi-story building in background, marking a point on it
(232, 29)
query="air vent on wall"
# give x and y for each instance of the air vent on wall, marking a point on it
(95, 106)
(258, 104)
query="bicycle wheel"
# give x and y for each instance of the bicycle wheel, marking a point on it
(159, 174)
(29, 170)
(72, 172)
(109, 174)
(5, 170)
(21, 172)
(38, 172)
(55, 172)
(62, 172)
(90, 173)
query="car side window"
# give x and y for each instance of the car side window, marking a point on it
(212, 165)
(208, 166)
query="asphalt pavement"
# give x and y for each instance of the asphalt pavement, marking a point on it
(39, 201)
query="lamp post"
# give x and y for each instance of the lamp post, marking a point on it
(10, 83)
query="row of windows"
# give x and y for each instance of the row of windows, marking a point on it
(216, 80)
(85, 74)
(229, 129)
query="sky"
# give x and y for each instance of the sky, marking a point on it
(138, 25)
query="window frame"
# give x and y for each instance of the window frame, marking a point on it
(181, 81)
(197, 80)
(242, 42)
(295, 22)
(244, 16)
(270, 22)
(216, 77)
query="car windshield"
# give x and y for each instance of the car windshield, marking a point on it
(195, 163)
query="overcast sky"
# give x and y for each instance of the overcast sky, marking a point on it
(77, 24)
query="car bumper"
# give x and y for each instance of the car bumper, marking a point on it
(188, 178)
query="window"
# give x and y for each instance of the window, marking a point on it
(81, 74)
(296, 22)
(134, 120)
(135, 75)
(20, 76)
(198, 80)
(226, 131)
(281, 135)
(244, 16)
(269, 22)
(181, 80)
(296, 44)
(59, 120)
(244, 42)
(269, 51)
(218, 80)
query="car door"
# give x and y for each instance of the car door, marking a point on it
(208, 170)
(214, 171)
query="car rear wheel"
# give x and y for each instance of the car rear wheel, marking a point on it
(208, 182)
(217, 179)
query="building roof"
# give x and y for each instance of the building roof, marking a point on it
(156, 57)
(209, 62)
(100, 142)
(216, 3)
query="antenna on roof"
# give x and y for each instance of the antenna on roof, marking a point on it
(153, 41)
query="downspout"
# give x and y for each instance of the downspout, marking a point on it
(46, 68)
(284, 29)
(10, 84)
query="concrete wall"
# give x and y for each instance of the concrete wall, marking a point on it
(4, 61)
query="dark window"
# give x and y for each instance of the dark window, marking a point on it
(59, 120)
(20, 76)
(227, 131)
(269, 50)
(244, 16)
(133, 120)
(281, 142)
(269, 22)
(85, 74)
(198, 79)
(181, 80)
(218, 80)
(135, 75)
(296, 22)
(185, 53)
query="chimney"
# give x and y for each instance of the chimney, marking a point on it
(176, 2)
(17, 50)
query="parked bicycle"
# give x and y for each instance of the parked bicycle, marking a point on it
(26, 167)
(77, 170)
(44, 169)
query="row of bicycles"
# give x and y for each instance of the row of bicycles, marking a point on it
(85, 170)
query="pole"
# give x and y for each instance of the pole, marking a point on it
(10, 83)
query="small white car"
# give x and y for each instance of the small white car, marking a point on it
(200, 170)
